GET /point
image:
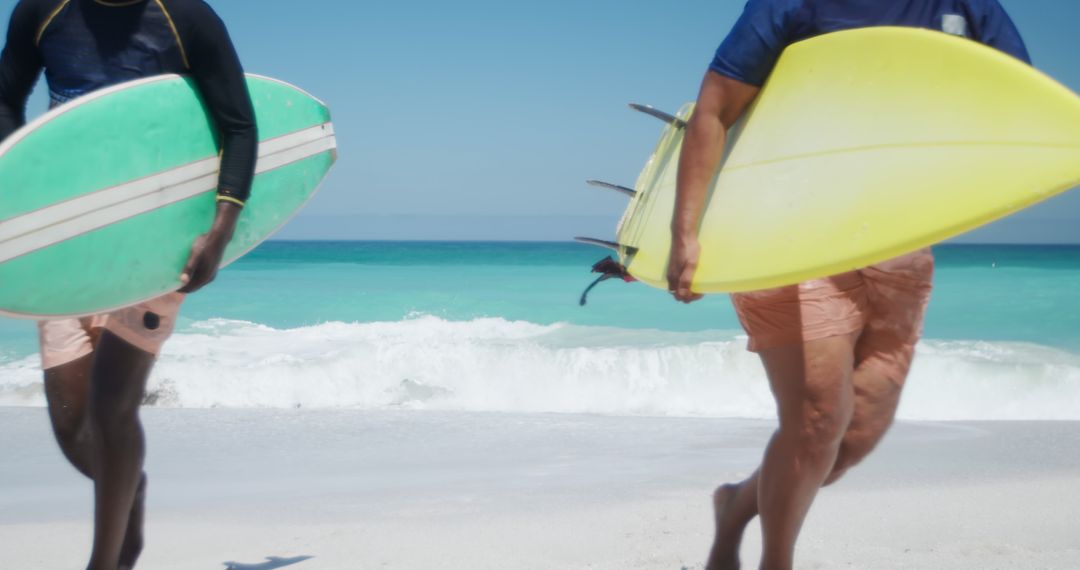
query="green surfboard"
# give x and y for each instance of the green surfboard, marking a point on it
(102, 198)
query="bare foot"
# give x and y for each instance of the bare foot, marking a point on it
(725, 549)
(133, 540)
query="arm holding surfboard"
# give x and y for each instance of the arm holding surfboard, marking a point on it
(219, 75)
(735, 76)
(212, 62)
(721, 102)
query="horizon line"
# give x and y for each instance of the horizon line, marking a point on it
(571, 241)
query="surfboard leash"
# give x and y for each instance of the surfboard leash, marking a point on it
(608, 268)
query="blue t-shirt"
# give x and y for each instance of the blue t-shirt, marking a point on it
(766, 27)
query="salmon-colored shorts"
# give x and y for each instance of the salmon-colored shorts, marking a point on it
(145, 326)
(885, 303)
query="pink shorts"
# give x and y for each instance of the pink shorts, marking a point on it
(145, 326)
(885, 303)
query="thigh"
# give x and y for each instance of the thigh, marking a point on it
(67, 388)
(67, 347)
(811, 381)
(119, 374)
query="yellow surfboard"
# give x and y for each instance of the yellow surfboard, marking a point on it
(863, 145)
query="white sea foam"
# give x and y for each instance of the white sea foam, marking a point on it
(498, 365)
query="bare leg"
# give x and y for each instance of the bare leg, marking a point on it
(876, 400)
(133, 537)
(877, 383)
(735, 506)
(812, 386)
(898, 292)
(118, 383)
(67, 390)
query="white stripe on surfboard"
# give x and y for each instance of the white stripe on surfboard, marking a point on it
(51, 225)
(50, 215)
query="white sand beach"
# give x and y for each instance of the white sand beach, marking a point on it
(357, 490)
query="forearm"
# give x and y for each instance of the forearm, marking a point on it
(225, 217)
(209, 249)
(703, 147)
(239, 152)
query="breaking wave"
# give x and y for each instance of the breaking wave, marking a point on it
(505, 366)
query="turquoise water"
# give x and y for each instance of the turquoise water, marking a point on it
(1023, 293)
(1017, 293)
(497, 327)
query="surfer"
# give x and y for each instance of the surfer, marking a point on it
(836, 350)
(96, 367)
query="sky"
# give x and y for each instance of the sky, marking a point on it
(481, 119)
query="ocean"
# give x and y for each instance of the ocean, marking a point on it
(496, 327)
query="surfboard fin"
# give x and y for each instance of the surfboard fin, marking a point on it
(653, 112)
(620, 189)
(613, 246)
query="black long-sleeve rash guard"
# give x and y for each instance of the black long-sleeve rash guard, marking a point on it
(86, 45)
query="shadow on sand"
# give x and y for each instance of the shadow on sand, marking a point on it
(271, 563)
